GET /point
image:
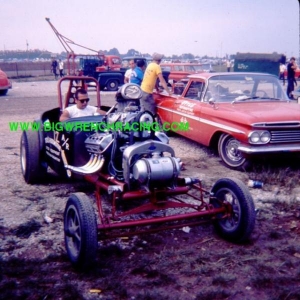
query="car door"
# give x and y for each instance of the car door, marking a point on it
(187, 110)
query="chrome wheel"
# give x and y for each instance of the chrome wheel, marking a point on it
(228, 151)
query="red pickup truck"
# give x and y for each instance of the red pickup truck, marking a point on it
(297, 73)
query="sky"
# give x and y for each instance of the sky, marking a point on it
(170, 27)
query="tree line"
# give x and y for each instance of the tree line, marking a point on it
(44, 54)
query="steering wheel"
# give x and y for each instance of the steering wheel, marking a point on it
(261, 94)
(247, 92)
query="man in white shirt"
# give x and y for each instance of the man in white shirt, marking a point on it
(61, 68)
(282, 69)
(81, 108)
(127, 75)
(228, 65)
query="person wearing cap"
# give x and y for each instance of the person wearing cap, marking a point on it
(152, 72)
(81, 108)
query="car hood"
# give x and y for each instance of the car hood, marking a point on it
(260, 112)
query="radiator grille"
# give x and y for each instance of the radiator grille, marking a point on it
(285, 136)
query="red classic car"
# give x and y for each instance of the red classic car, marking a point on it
(179, 71)
(297, 73)
(240, 114)
(5, 84)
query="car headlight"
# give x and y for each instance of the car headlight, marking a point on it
(259, 137)
(265, 137)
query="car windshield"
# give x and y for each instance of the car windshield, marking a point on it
(193, 68)
(166, 68)
(203, 68)
(228, 88)
(125, 63)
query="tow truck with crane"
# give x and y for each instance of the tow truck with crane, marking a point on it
(105, 68)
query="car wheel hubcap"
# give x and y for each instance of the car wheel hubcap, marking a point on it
(232, 151)
(73, 232)
(23, 158)
(233, 220)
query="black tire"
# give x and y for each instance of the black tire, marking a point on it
(34, 170)
(231, 156)
(112, 85)
(80, 227)
(3, 92)
(240, 224)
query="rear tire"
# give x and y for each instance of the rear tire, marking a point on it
(238, 226)
(80, 227)
(34, 170)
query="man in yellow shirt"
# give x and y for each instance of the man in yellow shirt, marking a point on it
(152, 72)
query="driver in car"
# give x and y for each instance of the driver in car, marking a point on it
(81, 107)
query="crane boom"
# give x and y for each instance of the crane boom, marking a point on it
(66, 41)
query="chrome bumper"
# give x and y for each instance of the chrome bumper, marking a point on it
(269, 148)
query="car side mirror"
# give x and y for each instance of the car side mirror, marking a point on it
(211, 101)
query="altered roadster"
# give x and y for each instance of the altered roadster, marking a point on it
(136, 175)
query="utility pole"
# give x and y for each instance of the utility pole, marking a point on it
(27, 49)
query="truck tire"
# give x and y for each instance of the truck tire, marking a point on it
(112, 85)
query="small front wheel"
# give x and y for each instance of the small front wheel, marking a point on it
(80, 227)
(237, 224)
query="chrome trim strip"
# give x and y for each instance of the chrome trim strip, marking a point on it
(282, 125)
(205, 121)
(269, 149)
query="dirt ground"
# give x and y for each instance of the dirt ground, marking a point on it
(174, 264)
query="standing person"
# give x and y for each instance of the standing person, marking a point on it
(291, 68)
(228, 65)
(81, 107)
(54, 68)
(61, 68)
(153, 71)
(127, 75)
(282, 69)
(137, 73)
